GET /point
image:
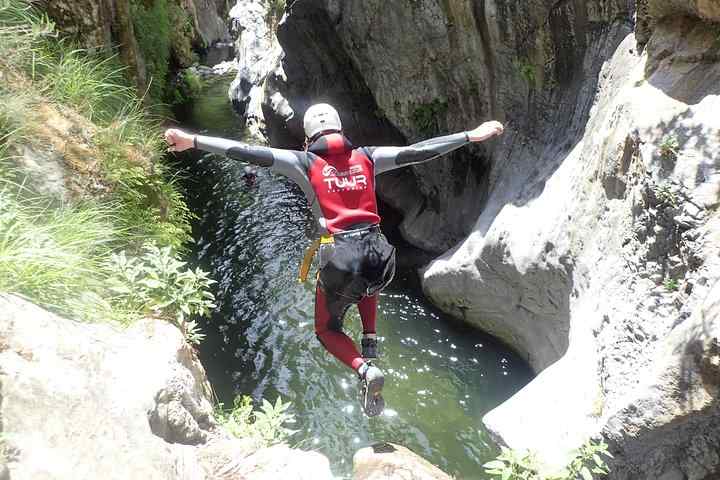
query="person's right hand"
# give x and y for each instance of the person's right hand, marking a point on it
(178, 140)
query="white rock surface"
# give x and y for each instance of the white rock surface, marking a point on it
(88, 401)
(570, 266)
(76, 397)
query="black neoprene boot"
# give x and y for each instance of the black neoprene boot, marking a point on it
(369, 346)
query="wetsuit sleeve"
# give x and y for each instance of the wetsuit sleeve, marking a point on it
(290, 163)
(390, 158)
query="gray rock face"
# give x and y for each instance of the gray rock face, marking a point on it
(89, 401)
(209, 19)
(671, 428)
(622, 239)
(89, 21)
(404, 72)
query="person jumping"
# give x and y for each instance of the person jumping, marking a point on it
(355, 259)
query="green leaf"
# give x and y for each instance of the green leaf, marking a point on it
(506, 474)
(586, 474)
(494, 464)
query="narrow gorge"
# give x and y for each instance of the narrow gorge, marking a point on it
(586, 239)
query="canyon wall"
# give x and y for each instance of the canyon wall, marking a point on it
(587, 236)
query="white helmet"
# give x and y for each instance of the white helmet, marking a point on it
(321, 117)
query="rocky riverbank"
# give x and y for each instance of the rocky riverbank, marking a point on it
(92, 401)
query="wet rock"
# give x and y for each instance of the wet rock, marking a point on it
(393, 462)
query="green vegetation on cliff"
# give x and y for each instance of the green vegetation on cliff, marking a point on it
(275, 12)
(66, 111)
(151, 22)
(586, 464)
(265, 426)
(428, 117)
(164, 32)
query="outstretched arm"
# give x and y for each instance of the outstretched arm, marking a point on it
(280, 160)
(389, 158)
(290, 163)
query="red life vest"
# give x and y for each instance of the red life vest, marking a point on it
(343, 179)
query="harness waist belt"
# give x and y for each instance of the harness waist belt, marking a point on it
(328, 238)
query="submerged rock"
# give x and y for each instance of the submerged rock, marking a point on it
(91, 401)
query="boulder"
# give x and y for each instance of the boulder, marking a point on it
(393, 462)
(77, 397)
(94, 401)
(280, 462)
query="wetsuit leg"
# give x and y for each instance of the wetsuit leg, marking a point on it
(328, 330)
(368, 313)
